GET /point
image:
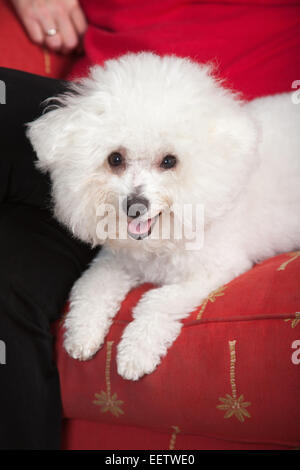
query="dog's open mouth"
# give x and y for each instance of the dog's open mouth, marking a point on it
(140, 229)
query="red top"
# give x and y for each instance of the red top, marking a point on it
(255, 44)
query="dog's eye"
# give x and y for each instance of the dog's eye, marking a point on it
(169, 161)
(115, 159)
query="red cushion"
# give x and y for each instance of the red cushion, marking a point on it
(18, 52)
(94, 435)
(229, 376)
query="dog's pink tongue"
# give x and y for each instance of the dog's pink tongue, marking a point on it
(139, 227)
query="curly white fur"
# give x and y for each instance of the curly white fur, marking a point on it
(240, 160)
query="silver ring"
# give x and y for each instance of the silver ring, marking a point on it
(51, 32)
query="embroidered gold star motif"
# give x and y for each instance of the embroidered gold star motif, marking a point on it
(295, 320)
(211, 298)
(176, 431)
(106, 400)
(235, 407)
(294, 255)
(109, 403)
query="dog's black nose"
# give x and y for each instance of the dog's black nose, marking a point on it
(135, 206)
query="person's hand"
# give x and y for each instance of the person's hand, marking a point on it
(58, 24)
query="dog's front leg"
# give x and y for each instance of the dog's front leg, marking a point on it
(95, 299)
(156, 325)
(158, 315)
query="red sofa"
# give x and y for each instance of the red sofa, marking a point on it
(230, 381)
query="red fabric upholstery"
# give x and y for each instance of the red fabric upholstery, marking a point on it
(241, 344)
(18, 52)
(234, 353)
(254, 44)
(86, 435)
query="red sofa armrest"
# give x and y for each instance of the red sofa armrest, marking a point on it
(232, 374)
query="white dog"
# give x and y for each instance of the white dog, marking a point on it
(160, 133)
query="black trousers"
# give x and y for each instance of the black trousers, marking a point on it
(39, 262)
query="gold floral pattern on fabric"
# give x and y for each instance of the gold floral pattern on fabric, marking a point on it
(47, 61)
(295, 321)
(176, 431)
(211, 298)
(106, 400)
(232, 404)
(294, 255)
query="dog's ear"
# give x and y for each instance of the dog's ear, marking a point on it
(238, 132)
(51, 134)
(64, 122)
(233, 156)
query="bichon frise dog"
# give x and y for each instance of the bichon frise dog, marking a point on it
(147, 136)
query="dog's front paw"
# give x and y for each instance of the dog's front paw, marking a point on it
(136, 354)
(134, 361)
(83, 336)
(81, 348)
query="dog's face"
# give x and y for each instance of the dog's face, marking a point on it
(144, 134)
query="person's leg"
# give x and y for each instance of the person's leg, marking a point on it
(40, 261)
(19, 180)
